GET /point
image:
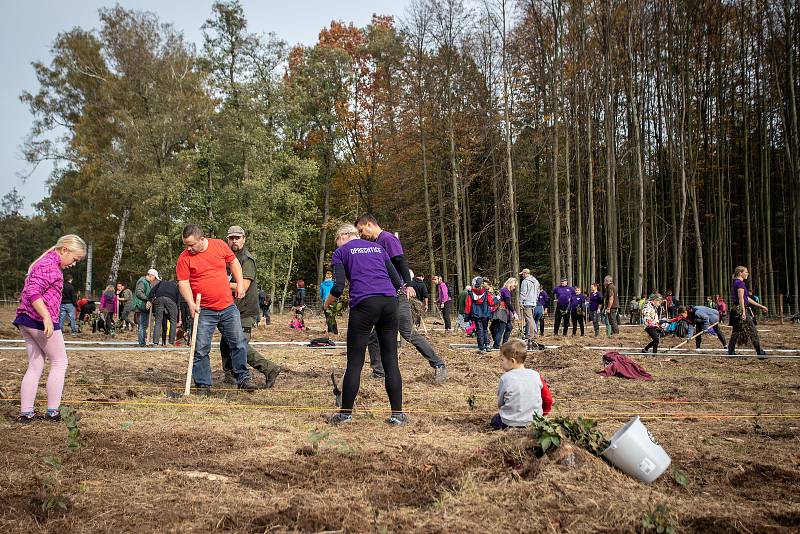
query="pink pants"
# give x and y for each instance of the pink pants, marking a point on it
(40, 348)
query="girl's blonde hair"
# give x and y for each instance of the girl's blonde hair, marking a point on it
(511, 284)
(739, 270)
(71, 242)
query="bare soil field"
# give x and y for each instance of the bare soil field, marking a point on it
(269, 462)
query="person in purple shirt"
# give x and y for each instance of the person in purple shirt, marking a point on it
(373, 305)
(39, 305)
(562, 294)
(577, 310)
(741, 316)
(595, 300)
(542, 302)
(368, 228)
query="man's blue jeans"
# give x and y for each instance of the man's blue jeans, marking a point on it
(68, 310)
(229, 324)
(144, 324)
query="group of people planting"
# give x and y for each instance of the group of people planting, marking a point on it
(217, 282)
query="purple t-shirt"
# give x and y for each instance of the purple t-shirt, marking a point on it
(577, 301)
(364, 264)
(390, 243)
(735, 295)
(595, 298)
(563, 294)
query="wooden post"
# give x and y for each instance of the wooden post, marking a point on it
(188, 387)
(780, 307)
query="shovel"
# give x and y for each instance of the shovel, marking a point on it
(187, 390)
(691, 338)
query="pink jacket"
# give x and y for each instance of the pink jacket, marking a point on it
(108, 304)
(45, 281)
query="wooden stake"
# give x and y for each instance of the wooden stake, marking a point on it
(188, 387)
(691, 338)
(780, 308)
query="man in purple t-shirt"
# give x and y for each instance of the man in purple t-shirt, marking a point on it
(368, 228)
(373, 308)
(562, 294)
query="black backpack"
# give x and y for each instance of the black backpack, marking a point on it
(450, 291)
(322, 342)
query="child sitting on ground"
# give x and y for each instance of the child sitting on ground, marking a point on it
(298, 323)
(522, 392)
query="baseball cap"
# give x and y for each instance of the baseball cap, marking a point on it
(565, 279)
(525, 271)
(235, 230)
(153, 272)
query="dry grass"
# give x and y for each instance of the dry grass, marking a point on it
(238, 464)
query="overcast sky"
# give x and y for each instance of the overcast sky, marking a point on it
(28, 29)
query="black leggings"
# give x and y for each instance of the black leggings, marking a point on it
(576, 320)
(652, 331)
(379, 313)
(562, 314)
(698, 327)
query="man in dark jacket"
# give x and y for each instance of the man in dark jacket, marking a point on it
(248, 310)
(422, 295)
(68, 303)
(165, 297)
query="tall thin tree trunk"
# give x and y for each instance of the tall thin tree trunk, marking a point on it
(120, 242)
(442, 233)
(89, 265)
(323, 232)
(288, 278)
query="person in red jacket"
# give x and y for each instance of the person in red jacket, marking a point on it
(522, 392)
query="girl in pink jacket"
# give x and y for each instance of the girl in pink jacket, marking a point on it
(37, 320)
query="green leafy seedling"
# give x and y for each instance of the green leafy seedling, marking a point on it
(72, 421)
(316, 437)
(680, 477)
(658, 521)
(472, 402)
(52, 461)
(127, 426)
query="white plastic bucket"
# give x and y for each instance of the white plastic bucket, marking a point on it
(633, 450)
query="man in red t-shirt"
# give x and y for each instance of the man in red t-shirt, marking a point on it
(201, 269)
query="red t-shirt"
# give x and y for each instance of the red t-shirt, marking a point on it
(207, 275)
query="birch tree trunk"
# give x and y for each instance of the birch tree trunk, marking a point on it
(117, 258)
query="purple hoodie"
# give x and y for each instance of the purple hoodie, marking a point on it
(543, 300)
(45, 282)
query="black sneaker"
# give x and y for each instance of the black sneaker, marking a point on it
(229, 378)
(341, 418)
(24, 419)
(54, 418)
(271, 376)
(399, 419)
(378, 376)
(202, 391)
(248, 385)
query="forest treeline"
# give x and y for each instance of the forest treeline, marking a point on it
(655, 141)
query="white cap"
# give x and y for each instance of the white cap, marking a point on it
(153, 272)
